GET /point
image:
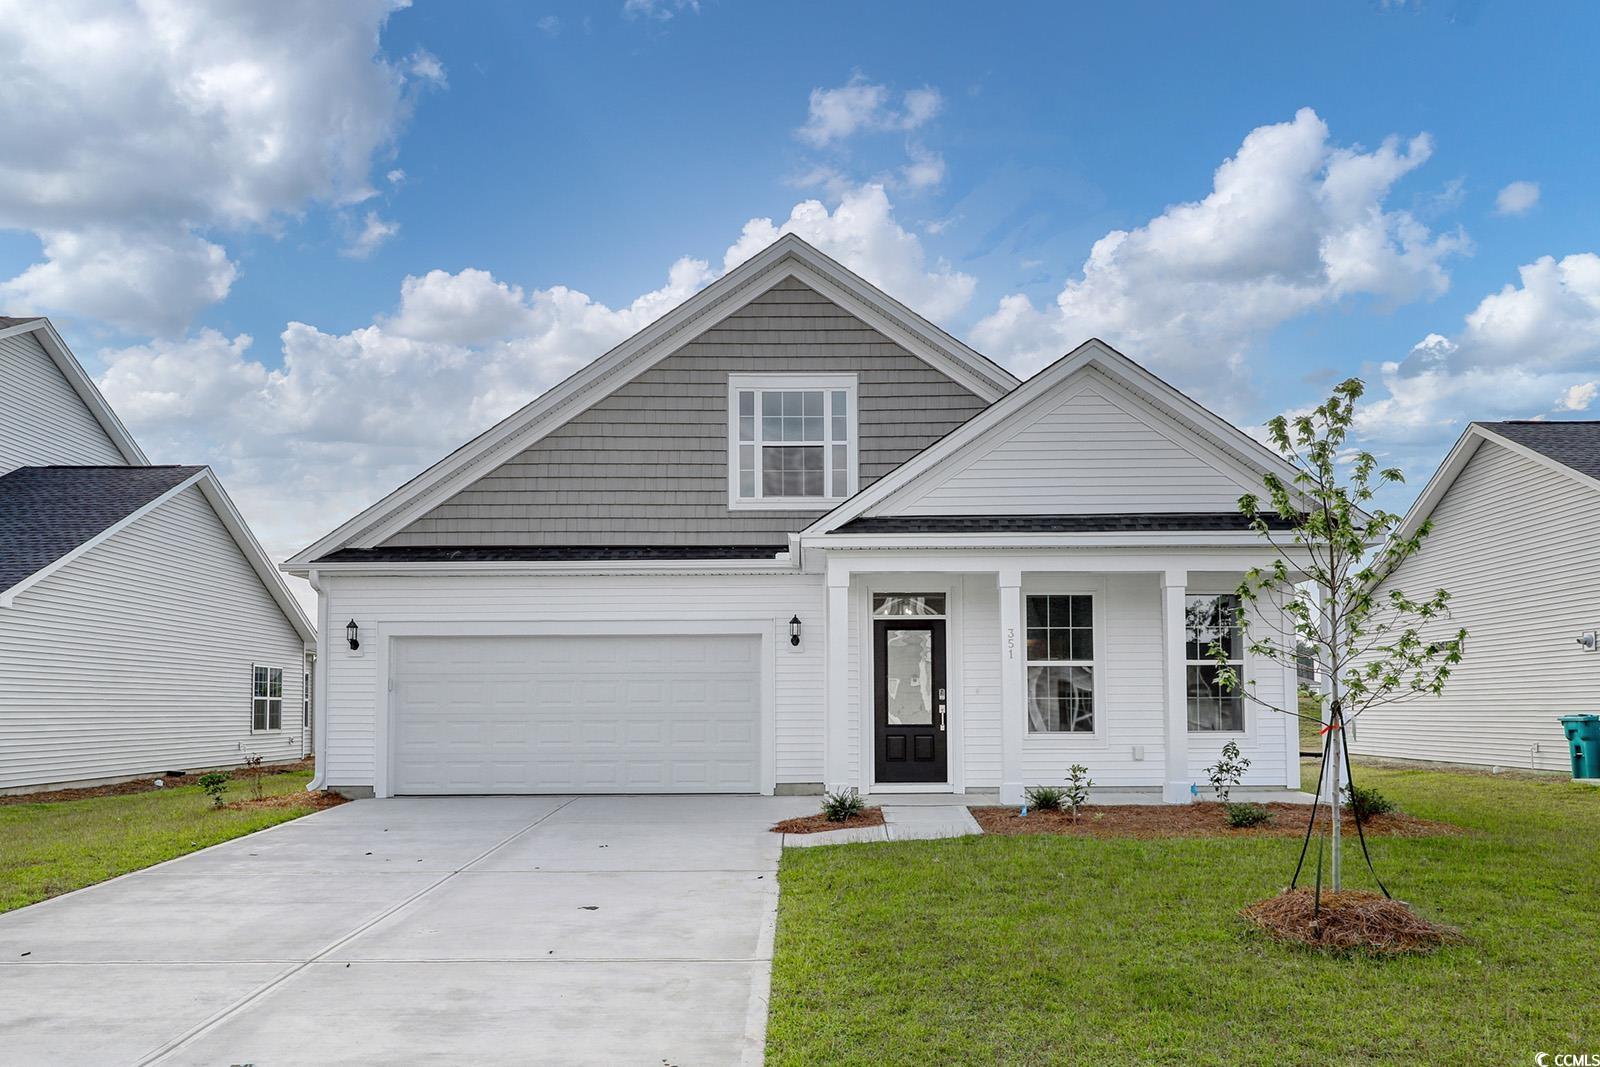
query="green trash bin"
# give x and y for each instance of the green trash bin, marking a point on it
(1583, 738)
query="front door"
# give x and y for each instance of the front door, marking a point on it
(911, 708)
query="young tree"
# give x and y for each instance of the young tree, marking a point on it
(1334, 550)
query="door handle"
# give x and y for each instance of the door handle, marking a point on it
(941, 718)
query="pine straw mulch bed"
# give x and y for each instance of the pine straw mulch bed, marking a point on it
(315, 801)
(1193, 820)
(1349, 920)
(816, 824)
(140, 785)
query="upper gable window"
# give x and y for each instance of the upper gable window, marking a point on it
(791, 440)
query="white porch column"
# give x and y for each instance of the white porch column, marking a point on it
(836, 710)
(1174, 586)
(1013, 685)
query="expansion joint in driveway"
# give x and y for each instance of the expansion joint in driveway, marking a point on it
(196, 1031)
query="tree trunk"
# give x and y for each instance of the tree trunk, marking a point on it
(1336, 754)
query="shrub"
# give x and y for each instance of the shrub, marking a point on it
(1365, 802)
(214, 784)
(843, 805)
(1078, 785)
(1227, 771)
(253, 770)
(1243, 815)
(1045, 797)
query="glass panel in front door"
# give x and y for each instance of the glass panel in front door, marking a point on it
(909, 677)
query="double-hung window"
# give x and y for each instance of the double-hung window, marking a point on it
(266, 699)
(791, 440)
(1060, 663)
(1212, 620)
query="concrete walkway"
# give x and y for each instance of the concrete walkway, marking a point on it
(616, 930)
(901, 822)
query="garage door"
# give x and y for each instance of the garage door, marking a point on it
(614, 714)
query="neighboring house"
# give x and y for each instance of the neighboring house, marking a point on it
(142, 628)
(793, 535)
(1515, 507)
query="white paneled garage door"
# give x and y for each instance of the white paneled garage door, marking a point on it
(643, 713)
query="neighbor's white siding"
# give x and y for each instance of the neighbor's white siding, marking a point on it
(43, 420)
(135, 658)
(1097, 451)
(1514, 543)
(352, 683)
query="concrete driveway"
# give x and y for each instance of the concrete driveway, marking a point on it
(617, 930)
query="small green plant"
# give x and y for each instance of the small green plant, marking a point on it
(1078, 785)
(1044, 797)
(1227, 771)
(1365, 803)
(841, 806)
(1244, 815)
(215, 784)
(253, 770)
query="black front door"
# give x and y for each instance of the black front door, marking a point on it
(908, 657)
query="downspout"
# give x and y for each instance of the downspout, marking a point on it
(319, 690)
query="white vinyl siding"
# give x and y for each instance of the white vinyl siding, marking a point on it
(350, 698)
(136, 658)
(1096, 451)
(1513, 542)
(43, 420)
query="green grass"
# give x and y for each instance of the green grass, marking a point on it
(1310, 730)
(49, 849)
(1071, 951)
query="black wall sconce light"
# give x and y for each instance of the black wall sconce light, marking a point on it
(351, 633)
(794, 631)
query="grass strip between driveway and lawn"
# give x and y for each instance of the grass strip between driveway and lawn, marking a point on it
(1048, 949)
(52, 847)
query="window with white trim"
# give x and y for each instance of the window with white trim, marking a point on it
(1213, 619)
(1060, 660)
(266, 699)
(791, 439)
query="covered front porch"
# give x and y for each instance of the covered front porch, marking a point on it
(964, 671)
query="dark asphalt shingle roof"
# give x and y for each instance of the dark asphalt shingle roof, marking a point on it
(1575, 443)
(1187, 522)
(46, 512)
(548, 553)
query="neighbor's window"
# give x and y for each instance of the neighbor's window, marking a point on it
(1061, 663)
(1213, 620)
(792, 439)
(266, 699)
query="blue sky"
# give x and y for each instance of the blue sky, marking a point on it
(190, 197)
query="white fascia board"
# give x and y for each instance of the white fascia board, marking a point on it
(958, 541)
(45, 333)
(789, 255)
(1203, 425)
(782, 564)
(257, 557)
(9, 596)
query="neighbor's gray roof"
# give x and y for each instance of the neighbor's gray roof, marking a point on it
(1575, 443)
(546, 553)
(1178, 522)
(46, 512)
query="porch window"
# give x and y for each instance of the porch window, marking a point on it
(1060, 650)
(1213, 620)
(791, 440)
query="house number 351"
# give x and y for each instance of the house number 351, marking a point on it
(1011, 642)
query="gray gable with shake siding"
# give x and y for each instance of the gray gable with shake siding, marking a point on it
(648, 463)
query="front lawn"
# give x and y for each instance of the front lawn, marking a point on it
(1052, 950)
(50, 848)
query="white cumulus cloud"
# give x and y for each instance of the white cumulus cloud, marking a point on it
(1518, 198)
(135, 132)
(860, 106)
(1293, 222)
